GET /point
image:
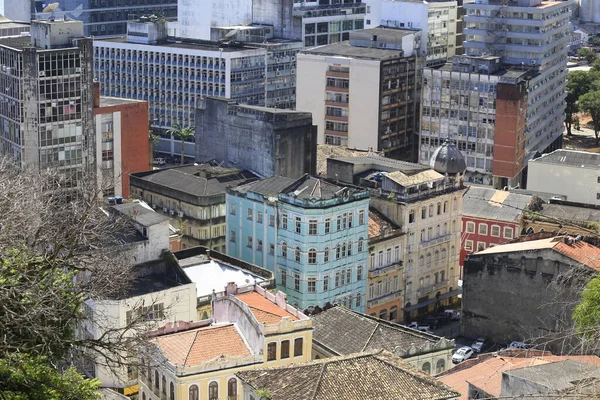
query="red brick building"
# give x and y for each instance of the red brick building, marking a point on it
(490, 217)
(122, 144)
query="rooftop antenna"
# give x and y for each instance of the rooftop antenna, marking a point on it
(50, 9)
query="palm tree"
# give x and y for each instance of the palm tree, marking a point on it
(183, 134)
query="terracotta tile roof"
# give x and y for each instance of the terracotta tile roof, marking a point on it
(194, 347)
(377, 222)
(487, 374)
(264, 310)
(373, 376)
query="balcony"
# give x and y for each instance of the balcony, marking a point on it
(431, 288)
(384, 298)
(375, 272)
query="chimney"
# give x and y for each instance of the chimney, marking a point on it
(231, 288)
(96, 94)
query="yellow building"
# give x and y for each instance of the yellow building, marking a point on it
(199, 360)
(384, 279)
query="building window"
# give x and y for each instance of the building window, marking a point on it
(259, 216)
(393, 313)
(358, 300)
(249, 241)
(312, 285)
(272, 220)
(495, 231)
(431, 210)
(259, 245)
(213, 391)
(312, 227)
(193, 392)
(232, 209)
(508, 232)
(250, 214)
(284, 249)
(426, 368)
(284, 221)
(339, 223)
(171, 391)
(297, 254)
(272, 351)
(298, 225)
(297, 282)
(445, 207)
(271, 249)
(468, 245)
(232, 236)
(440, 366)
(156, 380)
(327, 225)
(470, 227)
(326, 283)
(164, 385)
(411, 216)
(350, 219)
(232, 389)
(423, 213)
(312, 256)
(439, 208)
(480, 246)
(348, 275)
(285, 349)
(326, 255)
(359, 273)
(337, 279)
(361, 217)
(283, 278)
(298, 343)
(483, 229)
(360, 245)
(383, 314)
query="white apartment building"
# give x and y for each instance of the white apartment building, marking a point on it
(506, 95)
(364, 93)
(436, 19)
(314, 22)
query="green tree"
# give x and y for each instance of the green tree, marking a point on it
(579, 83)
(587, 313)
(183, 134)
(588, 54)
(590, 103)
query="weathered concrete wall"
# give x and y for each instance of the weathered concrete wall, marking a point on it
(287, 147)
(521, 295)
(277, 13)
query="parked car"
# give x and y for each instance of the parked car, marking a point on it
(479, 344)
(159, 161)
(462, 354)
(453, 314)
(515, 345)
(431, 321)
(413, 325)
(420, 326)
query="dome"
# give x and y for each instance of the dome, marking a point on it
(447, 159)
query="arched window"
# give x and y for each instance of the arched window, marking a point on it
(439, 208)
(452, 251)
(193, 392)
(156, 380)
(443, 254)
(421, 261)
(426, 367)
(411, 216)
(326, 255)
(213, 391)
(383, 314)
(431, 210)
(143, 396)
(284, 249)
(312, 256)
(393, 313)
(297, 254)
(440, 366)
(164, 385)
(437, 256)
(428, 258)
(232, 389)
(360, 245)
(171, 391)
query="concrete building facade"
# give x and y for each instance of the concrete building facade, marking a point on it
(310, 232)
(437, 21)
(46, 116)
(364, 93)
(267, 141)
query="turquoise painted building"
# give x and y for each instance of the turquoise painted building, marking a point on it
(311, 233)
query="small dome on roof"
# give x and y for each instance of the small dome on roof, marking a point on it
(447, 159)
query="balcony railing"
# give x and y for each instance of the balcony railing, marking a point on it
(374, 272)
(384, 298)
(431, 288)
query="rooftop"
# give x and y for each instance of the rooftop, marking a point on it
(580, 251)
(344, 49)
(486, 371)
(269, 187)
(308, 188)
(571, 158)
(196, 180)
(106, 101)
(140, 212)
(344, 331)
(414, 179)
(379, 223)
(194, 347)
(578, 214)
(376, 162)
(264, 310)
(180, 43)
(557, 376)
(492, 204)
(373, 376)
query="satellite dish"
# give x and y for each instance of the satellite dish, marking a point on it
(51, 7)
(230, 35)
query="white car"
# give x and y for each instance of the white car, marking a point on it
(420, 327)
(478, 344)
(516, 345)
(462, 354)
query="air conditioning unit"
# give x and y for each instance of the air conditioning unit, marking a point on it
(180, 213)
(293, 71)
(293, 58)
(78, 69)
(42, 73)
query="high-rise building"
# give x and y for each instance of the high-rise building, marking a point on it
(173, 73)
(46, 107)
(315, 23)
(437, 20)
(503, 101)
(364, 93)
(99, 17)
